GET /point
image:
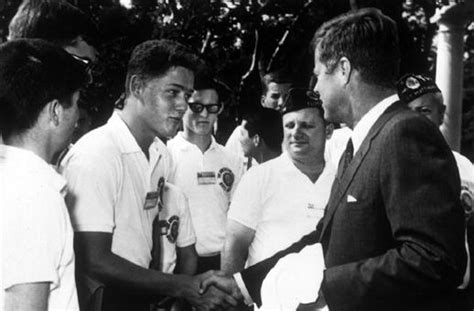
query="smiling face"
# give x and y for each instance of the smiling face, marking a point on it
(165, 100)
(201, 123)
(331, 93)
(304, 133)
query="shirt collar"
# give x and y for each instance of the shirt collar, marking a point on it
(362, 128)
(33, 161)
(184, 145)
(287, 165)
(127, 142)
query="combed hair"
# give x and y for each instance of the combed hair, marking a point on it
(34, 72)
(268, 124)
(368, 38)
(205, 80)
(279, 77)
(56, 21)
(153, 58)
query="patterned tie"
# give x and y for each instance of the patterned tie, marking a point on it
(348, 155)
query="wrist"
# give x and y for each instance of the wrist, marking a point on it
(183, 286)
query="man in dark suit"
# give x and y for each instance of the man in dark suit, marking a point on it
(393, 230)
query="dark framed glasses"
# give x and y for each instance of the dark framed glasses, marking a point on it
(87, 63)
(199, 107)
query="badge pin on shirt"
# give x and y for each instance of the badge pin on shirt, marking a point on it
(155, 198)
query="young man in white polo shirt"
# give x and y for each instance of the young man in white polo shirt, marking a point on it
(261, 134)
(281, 200)
(117, 174)
(39, 91)
(206, 171)
(275, 86)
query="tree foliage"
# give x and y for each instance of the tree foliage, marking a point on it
(242, 39)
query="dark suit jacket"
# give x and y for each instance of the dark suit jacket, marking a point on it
(400, 246)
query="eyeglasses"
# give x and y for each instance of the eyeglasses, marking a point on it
(199, 107)
(87, 64)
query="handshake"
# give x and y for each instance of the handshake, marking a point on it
(215, 291)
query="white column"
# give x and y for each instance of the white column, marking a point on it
(449, 77)
(449, 65)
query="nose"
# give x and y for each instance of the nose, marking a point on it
(296, 132)
(204, 113)
(181, 104)
(280, 103)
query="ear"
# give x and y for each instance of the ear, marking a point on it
(442, 110)
(136, 86)
(55, 111)
(345, 68)
(329, 130)
(256, 140)
(221, 109)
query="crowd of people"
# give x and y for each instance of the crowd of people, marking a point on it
(342, 195)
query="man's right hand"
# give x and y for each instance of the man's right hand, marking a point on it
(221, 281)
(212, 298)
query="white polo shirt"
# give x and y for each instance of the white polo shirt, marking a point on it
(109, 177)
(336, 145)
(466, 172)
(280, 203)
(208, 179)
(37, 243)
(175, 224)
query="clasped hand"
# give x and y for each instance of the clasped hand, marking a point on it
(218, 291)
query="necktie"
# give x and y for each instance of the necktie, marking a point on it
(348, 154)
(156, 231)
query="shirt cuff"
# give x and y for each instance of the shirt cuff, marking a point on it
(240, 283)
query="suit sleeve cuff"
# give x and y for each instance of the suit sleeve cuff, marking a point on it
(243, 289)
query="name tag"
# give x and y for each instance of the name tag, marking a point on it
(151, 200)
(206, 178)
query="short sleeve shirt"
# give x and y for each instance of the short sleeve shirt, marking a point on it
(175, 225)
(280, 203)
(466, 172)
(336, 145)
(208, 179)
(37, 237)
(109, 177)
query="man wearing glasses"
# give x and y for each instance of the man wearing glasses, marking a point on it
(63, 24)
(279, 201)
(206, 172)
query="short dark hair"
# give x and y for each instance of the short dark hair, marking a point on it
(368, 38)
(34, 72)
(153, 58)
(205, 80)
(279, 77)
(268, 124)
(56, 21)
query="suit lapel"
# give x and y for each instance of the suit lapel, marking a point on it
(340, 185)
